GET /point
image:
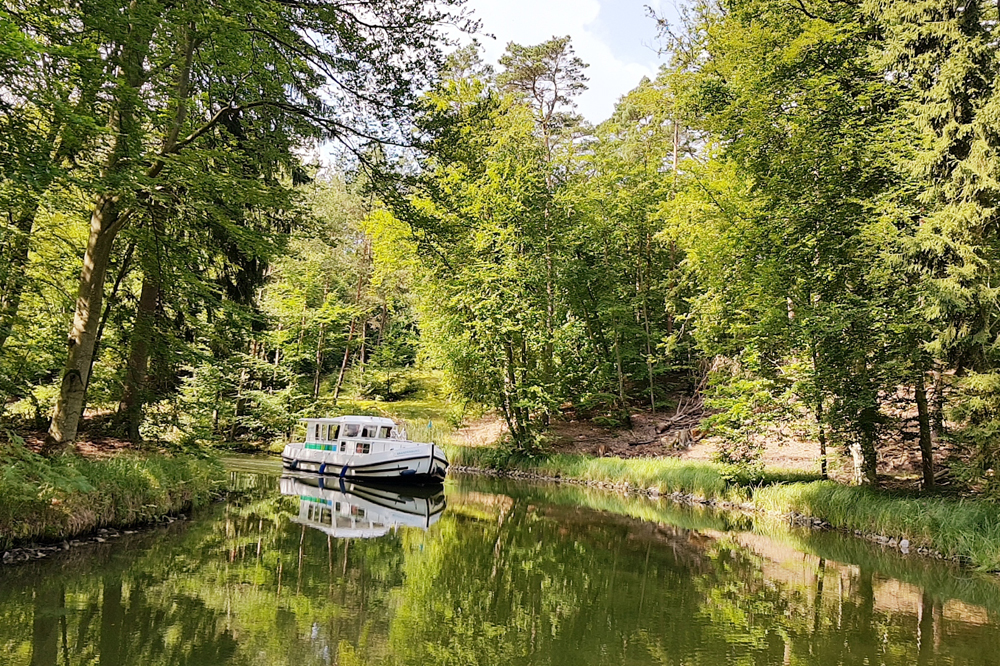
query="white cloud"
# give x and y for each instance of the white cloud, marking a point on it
(594, 29)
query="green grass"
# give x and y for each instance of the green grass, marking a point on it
(965, 529)
(665, 475)
(65, 496)
(962, 528)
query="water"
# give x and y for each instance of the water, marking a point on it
(505, 573)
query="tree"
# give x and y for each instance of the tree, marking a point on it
(943, 57)
(50, 83)
(802, 269)
(479, 211)
(170, 98)
(547, 77)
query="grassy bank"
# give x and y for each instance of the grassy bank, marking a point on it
(62, 497)
(965, 529)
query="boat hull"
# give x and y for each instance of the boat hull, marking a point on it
(413, 506)
(424, 463)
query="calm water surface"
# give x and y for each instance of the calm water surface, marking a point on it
(488, 572)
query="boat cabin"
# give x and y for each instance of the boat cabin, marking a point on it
(353, 434)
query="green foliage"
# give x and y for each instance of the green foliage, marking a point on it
(744, 405)
(977, 411)
(63, 496)
(810, 191)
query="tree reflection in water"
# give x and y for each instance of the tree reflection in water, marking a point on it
(508, 574)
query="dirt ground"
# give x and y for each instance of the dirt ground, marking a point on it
(643, 441)
(90, 447)
(657, 435)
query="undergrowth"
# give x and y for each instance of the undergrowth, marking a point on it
(66, 495)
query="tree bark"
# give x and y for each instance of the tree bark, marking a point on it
(133, 395)
(319, 361)
(623, 405)
(924, 419)
(645, 323)
(823, 468)
(937, 412)
(363, 350)
(112, 297)
(869, 456)
(350, 333)
(106, 221)
(104, 225)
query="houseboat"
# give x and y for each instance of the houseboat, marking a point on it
(346, 510)
(364, 448)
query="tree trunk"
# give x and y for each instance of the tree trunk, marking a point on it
(104, 226)
(343, 364)
(106, 221)
(112, 297)
(319, 362)
(937, 413)
(238, 407)
(869, 456)
(133, 395)
(645, 323)
(623, 405)
(363, 350)
(13, 273)
(384, 322)
(823, 468)
(520, 427)
(924, 419)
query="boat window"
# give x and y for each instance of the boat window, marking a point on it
(332, 431)
(351, 430)
(316, 434)
(369, 432)
(363, 448)
(343, 446)
(386, 431)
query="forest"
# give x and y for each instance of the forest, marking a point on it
(221, 217)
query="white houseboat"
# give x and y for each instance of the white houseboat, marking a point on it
(356, 511)
(361, 448)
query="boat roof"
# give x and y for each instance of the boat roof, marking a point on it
(362, 420)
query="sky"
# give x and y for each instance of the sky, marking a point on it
(615, 37)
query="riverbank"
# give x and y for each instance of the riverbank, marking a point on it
(53, 499)
(963, 529)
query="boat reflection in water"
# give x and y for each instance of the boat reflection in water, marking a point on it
(347, 510)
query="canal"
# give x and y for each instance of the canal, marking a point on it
(489, 572)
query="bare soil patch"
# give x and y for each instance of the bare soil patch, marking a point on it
(90, 447)
(785, 446)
